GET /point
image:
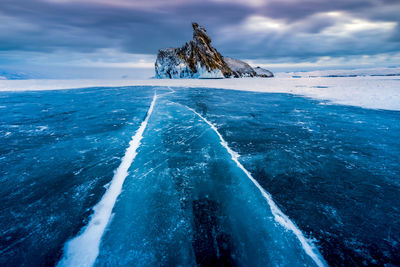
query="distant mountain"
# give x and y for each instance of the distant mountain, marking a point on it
(394, 71)
(6, 75)
(199, 59)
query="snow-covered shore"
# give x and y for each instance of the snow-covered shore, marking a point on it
(367, 92)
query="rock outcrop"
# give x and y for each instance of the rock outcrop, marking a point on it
(240, 68)
(199, 59)
(263, 72)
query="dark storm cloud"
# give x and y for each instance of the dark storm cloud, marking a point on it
(144, 27)
(294, 10)
(40, 26)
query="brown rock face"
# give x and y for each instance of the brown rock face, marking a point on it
(196, 59)
(200, 51)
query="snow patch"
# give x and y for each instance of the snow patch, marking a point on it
(203, 73)
(367, 92)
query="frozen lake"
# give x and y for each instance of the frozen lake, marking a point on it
(332, 172)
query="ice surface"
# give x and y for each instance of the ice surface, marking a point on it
(58, 152)
(185, 206)
(279, 216)
(83, 249)
(329, 168)
(367, 92)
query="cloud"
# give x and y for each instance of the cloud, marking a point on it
(254, 29)
(346, 25)
(327, 62)
(334, 33)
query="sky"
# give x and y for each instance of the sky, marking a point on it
(120, 38)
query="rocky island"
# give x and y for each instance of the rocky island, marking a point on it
(199, 59)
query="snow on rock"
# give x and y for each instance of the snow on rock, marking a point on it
(263, 72)
(204, 73)
(196, 59)
(170, 65)
(240, 68)
(199, 59)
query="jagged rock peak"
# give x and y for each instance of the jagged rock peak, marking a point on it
(199, 59)
(200, 34)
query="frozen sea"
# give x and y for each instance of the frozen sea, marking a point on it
(157, 175)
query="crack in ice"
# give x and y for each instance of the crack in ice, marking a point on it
(279, 216)
(84, 249)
